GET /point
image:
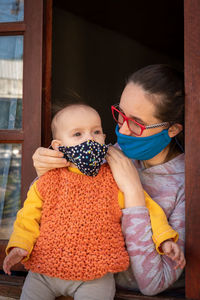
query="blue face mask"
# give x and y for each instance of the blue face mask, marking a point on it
(142, 148)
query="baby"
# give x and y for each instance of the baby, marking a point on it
(68, 233)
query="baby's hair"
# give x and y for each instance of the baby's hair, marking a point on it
(68, 96)
(59, 112)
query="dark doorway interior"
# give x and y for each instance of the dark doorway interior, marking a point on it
(98, 44)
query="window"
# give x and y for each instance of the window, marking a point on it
(21, 29)
(11, 78)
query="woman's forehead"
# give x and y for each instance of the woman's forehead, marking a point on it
(135, 102)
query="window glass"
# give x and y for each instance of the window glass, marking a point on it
(11, 10)
(11, 79)
(10, 186)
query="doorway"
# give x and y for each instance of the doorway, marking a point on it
(98, 44)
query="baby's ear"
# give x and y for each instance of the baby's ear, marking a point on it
(55, 144)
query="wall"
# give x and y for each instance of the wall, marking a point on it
(94, 63)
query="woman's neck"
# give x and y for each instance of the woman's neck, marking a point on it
(160, 158)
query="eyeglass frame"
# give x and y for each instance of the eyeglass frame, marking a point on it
(126, 119)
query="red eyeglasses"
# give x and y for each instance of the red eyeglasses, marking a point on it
(133, 125)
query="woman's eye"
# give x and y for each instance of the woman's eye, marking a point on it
(77, 134)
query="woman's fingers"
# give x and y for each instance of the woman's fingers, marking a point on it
(46, 159)
(51, 160)
(116, 156)
(115, 153)
(126, 177)
(42, 153)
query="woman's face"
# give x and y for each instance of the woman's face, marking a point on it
(135, 103)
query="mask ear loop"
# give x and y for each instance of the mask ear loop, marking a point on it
(180, 146)
(177, 142)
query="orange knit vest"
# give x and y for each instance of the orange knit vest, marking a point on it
(80, 232)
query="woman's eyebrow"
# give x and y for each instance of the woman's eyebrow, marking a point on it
(133, 117)
(137, 119)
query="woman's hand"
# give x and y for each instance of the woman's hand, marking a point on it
(46, 159)
(126, 177)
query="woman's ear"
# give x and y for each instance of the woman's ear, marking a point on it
(175, 129)
(55, 144)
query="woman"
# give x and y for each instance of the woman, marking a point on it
(150, 123)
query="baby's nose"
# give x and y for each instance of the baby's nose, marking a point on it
(89, 136)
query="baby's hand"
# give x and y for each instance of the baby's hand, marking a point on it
(173, 251)
(14, 257)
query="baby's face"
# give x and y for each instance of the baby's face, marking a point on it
(78, 124)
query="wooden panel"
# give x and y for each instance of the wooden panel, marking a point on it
(128, 295)
(14, 290)
(11, 286)
(47, 73)
(12, 28)
(192, 139)
(64, 298)
(11, 135)
(32, 88)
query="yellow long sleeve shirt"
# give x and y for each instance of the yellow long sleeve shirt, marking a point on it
(27, 225)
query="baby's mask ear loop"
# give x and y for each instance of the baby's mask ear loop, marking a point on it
(110, 144)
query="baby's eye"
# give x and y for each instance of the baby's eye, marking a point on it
(97, 132)
(77, 134)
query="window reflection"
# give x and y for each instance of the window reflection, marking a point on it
(11, 10)
(11, 79)
(10, 186)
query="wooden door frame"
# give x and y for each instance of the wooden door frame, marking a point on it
(192, 142)
(47, 72)
(32, 87)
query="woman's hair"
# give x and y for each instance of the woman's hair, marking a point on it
(165, 87)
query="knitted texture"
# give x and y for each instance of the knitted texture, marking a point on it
(80, 232)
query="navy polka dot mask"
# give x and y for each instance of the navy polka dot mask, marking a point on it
(87, 156)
